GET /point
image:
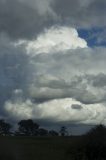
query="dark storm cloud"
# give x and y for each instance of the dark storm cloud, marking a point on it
(20, 20)
(98, 81)
(14, 71)
(25, 19)
(81, 13)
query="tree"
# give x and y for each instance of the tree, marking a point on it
(63, 131)
(53, 133)
(43, 132)
(28, 127)
(97, 131)
(96, 151)
(4, 127)
(91, 146)
(96, 143)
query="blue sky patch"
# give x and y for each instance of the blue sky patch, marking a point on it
(94, 36)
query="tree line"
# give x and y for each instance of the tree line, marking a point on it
(29, 128)
(91, 146)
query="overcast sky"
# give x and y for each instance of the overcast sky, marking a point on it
(53, 62)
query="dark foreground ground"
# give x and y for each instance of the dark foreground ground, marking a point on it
(53, 148)
(35, 148)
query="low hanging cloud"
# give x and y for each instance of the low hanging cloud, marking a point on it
(62, 110)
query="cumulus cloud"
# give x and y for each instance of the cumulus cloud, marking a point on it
(62, 110)
(47, 71)
(47, 76)
(56, 39)
(73, 74)
(81, 88)
(55, 86)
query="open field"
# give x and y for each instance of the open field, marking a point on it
(35, 148)
(88, 147)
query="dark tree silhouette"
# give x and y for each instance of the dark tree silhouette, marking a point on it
(97, 131)
(63, 131)
(96, 151)
(91, 146)
(53, 133)
(96, 145)
(43, 132)
(4, 127)
(28, 127)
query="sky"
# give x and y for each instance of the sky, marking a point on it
(53, 62)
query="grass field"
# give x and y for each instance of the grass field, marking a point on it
(35, 148)
(92, 147)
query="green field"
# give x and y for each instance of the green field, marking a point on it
(35, 148)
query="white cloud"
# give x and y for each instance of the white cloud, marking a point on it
(56, 39)
(19, 109)
(58, 111)
(58, 65)
(58, 77)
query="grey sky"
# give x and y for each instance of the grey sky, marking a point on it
(25, 19)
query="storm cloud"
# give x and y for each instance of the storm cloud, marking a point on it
(25, 19)
(46, 85)
(47, 71)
